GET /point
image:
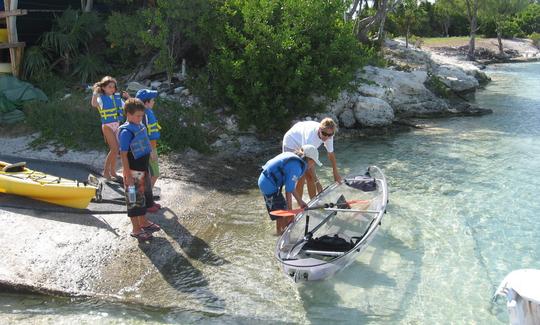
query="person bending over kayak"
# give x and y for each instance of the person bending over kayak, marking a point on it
(284, 170)
(313, 133)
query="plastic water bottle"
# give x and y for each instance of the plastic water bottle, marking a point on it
(132, 194)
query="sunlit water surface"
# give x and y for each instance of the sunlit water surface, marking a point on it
(463, 213)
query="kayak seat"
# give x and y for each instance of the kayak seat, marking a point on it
(15, 168)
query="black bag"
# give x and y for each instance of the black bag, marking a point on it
(329, 243)
(363, 183)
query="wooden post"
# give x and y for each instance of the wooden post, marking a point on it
(15, 47)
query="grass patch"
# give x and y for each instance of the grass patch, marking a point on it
(71, 122)
(447, 41)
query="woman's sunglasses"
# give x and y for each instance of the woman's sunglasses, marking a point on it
(326, 134)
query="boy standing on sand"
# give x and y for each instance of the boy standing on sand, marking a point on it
(135, 152)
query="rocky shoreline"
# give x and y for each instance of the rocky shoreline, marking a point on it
(59, 254)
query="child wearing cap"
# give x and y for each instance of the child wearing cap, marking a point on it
(135, 152)
(148, 97)
(285, 170)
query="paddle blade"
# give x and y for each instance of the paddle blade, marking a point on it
(285, 213)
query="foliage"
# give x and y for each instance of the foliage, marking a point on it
(417, 41)
(125, 35)
(70, 122)
(180, 29)
(66, 47)
(535, 37)
(181, 127)
(409, 15)
(529, 19)
(276, 56)
(35, 62)
(439, 88)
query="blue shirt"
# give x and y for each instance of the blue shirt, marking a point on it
(293, 169)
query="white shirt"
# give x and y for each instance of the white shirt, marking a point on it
(306, 133)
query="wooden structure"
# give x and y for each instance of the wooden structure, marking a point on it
(15, 47)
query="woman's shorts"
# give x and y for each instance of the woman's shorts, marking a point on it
(275, 201)
(137, 208)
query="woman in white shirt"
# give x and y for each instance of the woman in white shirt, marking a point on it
(315, 134)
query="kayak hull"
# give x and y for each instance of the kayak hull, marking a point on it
(47, 188)
(329, 235)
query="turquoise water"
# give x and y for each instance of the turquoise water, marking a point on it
(463, 213)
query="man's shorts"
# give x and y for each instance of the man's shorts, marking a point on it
(153, 165)
(274, 202)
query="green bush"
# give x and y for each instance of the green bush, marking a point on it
(510, 28)
(276, 56)
(417, 41)
(125, 35)
(529, 19)
(181, 127)
(535, 37)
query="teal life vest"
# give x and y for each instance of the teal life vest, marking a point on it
(274, 169)
(112, 110)
(140, 144)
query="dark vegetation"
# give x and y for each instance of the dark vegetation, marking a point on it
(263, 61)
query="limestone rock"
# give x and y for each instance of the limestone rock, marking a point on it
(373, 112)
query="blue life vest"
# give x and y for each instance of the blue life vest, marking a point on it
(274, 169)
(112, 110)
(152, 124)
(140, 144)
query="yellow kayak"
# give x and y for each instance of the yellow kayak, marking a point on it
(18, 180)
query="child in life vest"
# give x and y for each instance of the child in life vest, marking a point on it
(135, 150)
(148, 96)
(110, 105)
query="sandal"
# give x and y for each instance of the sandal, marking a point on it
(152, 228)
(142, 236)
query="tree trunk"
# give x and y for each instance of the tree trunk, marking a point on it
(499, 40)
(380, 32)
(472, 13)
(87, 5)
(356, 7)
(407, 37)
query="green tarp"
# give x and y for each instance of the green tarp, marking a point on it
(13, 92)
(20, 91)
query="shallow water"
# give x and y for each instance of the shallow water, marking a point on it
(462, 214)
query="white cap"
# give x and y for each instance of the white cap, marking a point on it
(311, 152)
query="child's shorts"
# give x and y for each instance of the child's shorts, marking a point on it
(153, 165)
(137, 208)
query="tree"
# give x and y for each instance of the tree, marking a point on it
(502, 11)
(470, 7)
(443, 12)
(407, 15)
(364, 25)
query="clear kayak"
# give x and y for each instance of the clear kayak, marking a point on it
(335, 228)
